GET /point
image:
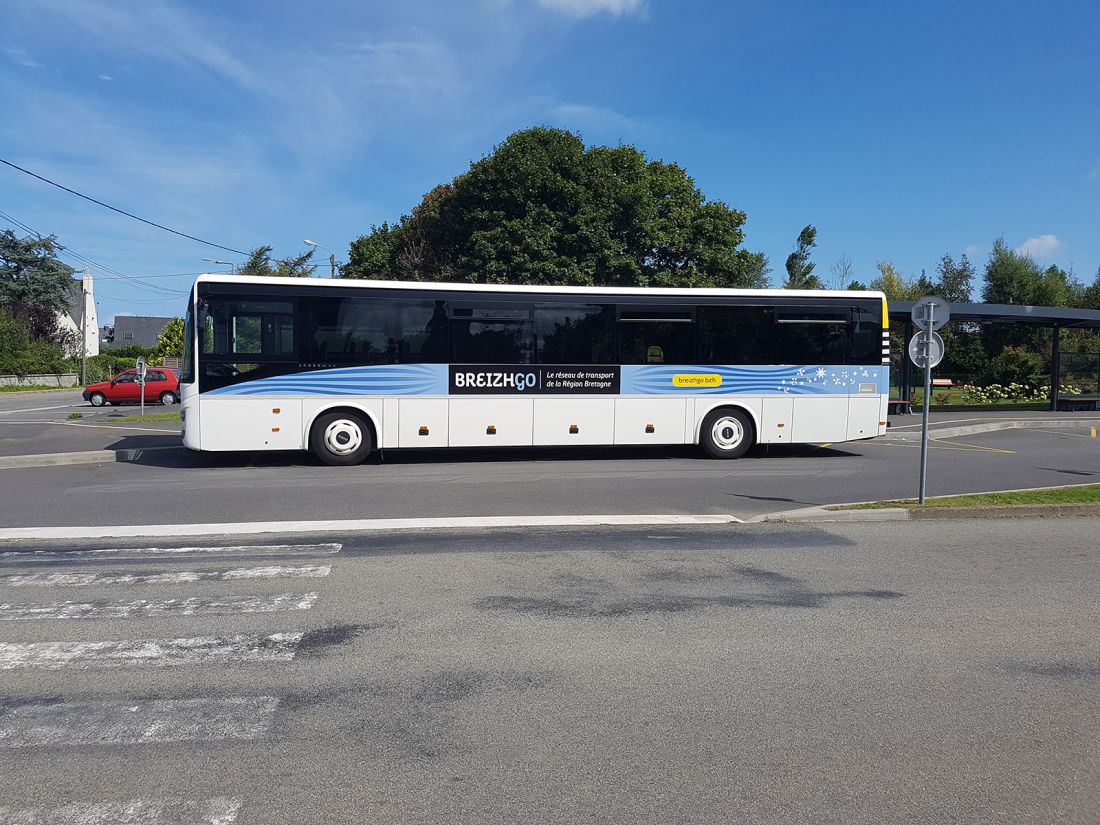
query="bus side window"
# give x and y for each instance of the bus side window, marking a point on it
(422, 331)
(735, 334)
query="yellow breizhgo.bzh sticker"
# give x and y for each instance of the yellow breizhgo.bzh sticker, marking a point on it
(697, 380)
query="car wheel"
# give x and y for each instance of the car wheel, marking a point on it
(97, 399)
(168, 398)
(341, 438)
(726, 433)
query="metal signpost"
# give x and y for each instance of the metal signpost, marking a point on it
(140, 369)
(926, 350)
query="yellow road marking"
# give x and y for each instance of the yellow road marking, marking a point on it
(1063, 432)
(935, 444)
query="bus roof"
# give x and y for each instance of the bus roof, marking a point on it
(439, 286)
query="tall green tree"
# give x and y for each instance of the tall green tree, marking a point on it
(170, 342)
(259, 264)
(34, 284)
(800, 269)
(955, 281)
(542, 208)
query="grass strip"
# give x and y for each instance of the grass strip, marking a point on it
(1083, 494)
(33, 388)
(157, 416)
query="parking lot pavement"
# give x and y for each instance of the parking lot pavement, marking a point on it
(35, 423)
(774, 674)
(272, 487)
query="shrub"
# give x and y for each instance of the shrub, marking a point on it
(1015, 365)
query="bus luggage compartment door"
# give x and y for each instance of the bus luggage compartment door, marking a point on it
(233, 423)
(421, 422)
(491, 422)
(574, 421)
(650, 420)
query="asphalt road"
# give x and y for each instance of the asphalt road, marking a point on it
(219, 488)
(868, 673)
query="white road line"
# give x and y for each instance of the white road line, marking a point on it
(201, 650)
(142, 552)
(145, 608)
(95, 426)
(40, 409)
(310, 571)
(219, 811)
(358, 525)
(134, 721)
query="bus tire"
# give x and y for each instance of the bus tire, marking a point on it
(341, 438)
(726, 433)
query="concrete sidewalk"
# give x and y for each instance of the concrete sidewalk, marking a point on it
(944, 424)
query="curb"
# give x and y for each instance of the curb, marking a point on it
(373, 525)
(993, 426)
(823, 515)
(16, 462)
(1005, 511)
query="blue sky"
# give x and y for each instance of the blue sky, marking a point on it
(902, 131)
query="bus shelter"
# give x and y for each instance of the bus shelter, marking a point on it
(1055, 319)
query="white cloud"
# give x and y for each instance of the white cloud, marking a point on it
(105, 77)
(1042, 246)
(974, 250)
(23, 59)
(157, 30)
(588, 8)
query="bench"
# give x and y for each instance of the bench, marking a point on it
(1078, 403)
(942, 382)
(899, 406)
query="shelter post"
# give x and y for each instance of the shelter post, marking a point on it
(1055, 367)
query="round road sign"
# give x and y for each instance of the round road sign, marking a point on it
(917, 348)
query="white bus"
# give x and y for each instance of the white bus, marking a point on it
(344, 367)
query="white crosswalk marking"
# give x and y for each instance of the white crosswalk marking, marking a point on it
(219, 811)
(202, 650)
(134, 721)
(144, 608)
(312, 571)
(144, 552)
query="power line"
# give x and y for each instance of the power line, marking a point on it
(120, 211)
(70, 253)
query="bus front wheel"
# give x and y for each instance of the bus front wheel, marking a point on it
(726, 433)
(341, 438)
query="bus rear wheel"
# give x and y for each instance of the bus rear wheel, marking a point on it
(341, 438)
(726, 433)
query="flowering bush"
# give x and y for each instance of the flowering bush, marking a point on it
(1014, 391)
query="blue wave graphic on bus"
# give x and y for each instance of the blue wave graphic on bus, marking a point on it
(692, 379)
(384, 379)
(641, 379)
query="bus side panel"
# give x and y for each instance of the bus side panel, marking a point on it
(863, 412)
(491, 422)
(422, 422)
(820, 419)
(776, 418)
(574, 421)
(650, 420)
(234, 423)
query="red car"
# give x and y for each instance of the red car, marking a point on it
(161, 384)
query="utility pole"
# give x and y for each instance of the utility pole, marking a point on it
(332, 264)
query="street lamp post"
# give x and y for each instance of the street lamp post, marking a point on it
(331, 258)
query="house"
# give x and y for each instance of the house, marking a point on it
(79, 317)
(134, 329)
